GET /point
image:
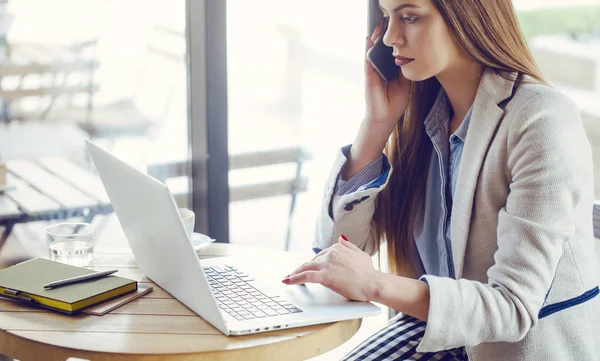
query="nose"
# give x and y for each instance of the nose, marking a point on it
(394, 35)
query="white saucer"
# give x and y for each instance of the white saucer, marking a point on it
(200, 241)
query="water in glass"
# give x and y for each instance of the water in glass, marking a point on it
(76, 253)
(71, 243)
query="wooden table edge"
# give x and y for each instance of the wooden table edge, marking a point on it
(298, 348)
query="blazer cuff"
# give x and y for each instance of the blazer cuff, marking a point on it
(467, 313)
(372, 176)
(436, 335)
(365, 177)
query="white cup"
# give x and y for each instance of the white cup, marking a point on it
(198, 240)
(189, 219)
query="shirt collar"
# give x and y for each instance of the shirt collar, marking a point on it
(461, 132)
(439, 113)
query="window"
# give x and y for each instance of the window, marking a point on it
(564, 37)
(295, 73)
(113, 71)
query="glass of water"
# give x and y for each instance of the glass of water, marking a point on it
(71, 243)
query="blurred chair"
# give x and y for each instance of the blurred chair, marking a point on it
(36, 77)
(292, 185)
(127, 116)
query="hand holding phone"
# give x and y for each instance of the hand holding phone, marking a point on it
(387, 90)
(385, 103)
(381, 58)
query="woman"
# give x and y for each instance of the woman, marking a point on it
(484, 196)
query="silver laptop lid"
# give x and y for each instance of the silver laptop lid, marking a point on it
(156, 234)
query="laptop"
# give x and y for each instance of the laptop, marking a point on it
(235, 295)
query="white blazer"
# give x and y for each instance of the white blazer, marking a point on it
(521, 230)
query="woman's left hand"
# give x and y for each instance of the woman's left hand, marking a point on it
(343, 268)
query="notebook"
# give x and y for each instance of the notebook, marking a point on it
(24, 282)
(111, 305)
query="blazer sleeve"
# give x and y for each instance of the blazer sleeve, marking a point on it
(548, 156)
(350, 213)
(362, 178)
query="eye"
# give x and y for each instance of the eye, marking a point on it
(409, 19)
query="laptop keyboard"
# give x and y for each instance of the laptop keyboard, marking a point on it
(237, 296)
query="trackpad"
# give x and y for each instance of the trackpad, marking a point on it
(314, 295)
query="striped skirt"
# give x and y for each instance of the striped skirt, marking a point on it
(398, 341)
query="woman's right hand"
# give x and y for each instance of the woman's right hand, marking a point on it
(385, 101)
(385, 104)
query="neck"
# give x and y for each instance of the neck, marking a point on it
(460, 85)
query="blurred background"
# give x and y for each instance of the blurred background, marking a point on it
(116, 71)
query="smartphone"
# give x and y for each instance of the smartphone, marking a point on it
(380, 56)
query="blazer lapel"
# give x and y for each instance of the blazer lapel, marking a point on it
(486, 115)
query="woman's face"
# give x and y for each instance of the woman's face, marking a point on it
(423, 44)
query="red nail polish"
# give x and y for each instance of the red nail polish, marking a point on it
(286, 280)
(344, 238)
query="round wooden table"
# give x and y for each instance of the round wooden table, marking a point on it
(155, 327)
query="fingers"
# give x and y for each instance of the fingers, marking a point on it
(311, 265)
(304, 277)
(376, 32)
(371, 39)
(312, 261)
(321, 252)
(308, 266)
(369, 44)
(368, 66)
(344, 242)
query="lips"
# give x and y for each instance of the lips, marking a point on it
(401, 61)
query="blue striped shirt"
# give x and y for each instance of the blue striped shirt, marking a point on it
(434, 243)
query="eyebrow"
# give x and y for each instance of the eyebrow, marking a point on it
(400, 7)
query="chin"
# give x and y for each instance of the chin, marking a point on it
(414, 74)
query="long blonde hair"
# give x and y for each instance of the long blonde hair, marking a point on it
(489, 32)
